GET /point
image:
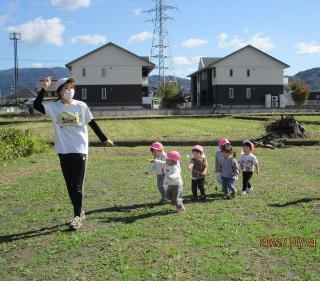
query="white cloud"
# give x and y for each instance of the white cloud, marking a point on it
(308, 48)
(181, 60)
(192, 69)
(137, 12)
(40, 30)
(71, 4)
(145, 35)
(89, 39)
(6, 16)
(258, 40)
(194, 42)
(196, 59)
(40, 65)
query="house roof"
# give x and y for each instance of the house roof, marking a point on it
(208, 60)
(23, 94)
(246, 47)
(143, 58)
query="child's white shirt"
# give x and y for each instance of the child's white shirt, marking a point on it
(247, 162)
(172, 175)
(158, 164)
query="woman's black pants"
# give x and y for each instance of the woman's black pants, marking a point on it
(73, 167)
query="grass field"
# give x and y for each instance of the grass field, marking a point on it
(128, 236)
(187, 129)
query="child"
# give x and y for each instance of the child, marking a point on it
(248, 161)
(221, 143)
(173, 180)
(158, 164)
(229, 170)
(199, 167)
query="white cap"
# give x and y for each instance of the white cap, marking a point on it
(63, 81)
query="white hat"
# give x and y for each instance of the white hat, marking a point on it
(63, 81)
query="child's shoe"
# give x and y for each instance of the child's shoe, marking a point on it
(76, 223)
(228, 196)
(203, 198)
(243, 192)
(193, 198)
(180, 208)
(163, 201)
(233, 194)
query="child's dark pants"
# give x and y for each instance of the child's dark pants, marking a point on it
(246, 176)
(195, 184)
(73, 167)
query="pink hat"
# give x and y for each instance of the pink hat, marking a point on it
(173, 155)
(157, 146)
(223, 141)
(198, 147)
(249, 142)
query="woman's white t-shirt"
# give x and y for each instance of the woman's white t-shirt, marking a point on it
(70, 125)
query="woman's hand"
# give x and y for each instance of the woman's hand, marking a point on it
(108, 142)
(46, 82)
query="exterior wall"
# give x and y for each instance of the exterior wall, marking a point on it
(258, 93)
(314, 95)
(121, 68)
(263, 70)
(117, 95)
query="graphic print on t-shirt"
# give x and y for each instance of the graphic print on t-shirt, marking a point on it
(69, 118)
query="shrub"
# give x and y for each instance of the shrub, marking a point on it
(171, 95)
(299, 92)
(15, 143)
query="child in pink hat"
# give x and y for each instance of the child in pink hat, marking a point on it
(248, 162)
(158, 164)
(173, 180)
(198, 166)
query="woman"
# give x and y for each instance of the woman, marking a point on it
(70, 118)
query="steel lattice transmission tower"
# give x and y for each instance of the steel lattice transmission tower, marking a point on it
(161, 53)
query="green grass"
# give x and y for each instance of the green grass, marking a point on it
(127, 236)
(187, 129)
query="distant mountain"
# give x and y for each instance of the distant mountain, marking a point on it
(310, 77)
(184, 83)
(28, 77)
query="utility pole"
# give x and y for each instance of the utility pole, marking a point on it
(161, 52)
(15, 36)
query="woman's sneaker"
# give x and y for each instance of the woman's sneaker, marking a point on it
(76, 223)
(82, 215)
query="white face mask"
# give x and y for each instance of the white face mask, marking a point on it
(68, 94)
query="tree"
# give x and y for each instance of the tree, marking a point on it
(171, 95)
(299, 92)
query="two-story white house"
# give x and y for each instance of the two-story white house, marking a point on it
(111, 76)
(246, 78)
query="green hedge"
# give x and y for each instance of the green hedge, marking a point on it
(15, 143)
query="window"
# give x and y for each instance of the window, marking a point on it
(231, 93)
(231, 72)
(83, 72)
(103, 72)
(318, 97)
(204, 75)
(104, 93)
(248, 94)
(84, 93)
(214, 72)
(248, 72)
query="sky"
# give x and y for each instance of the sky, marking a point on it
(55, 32)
